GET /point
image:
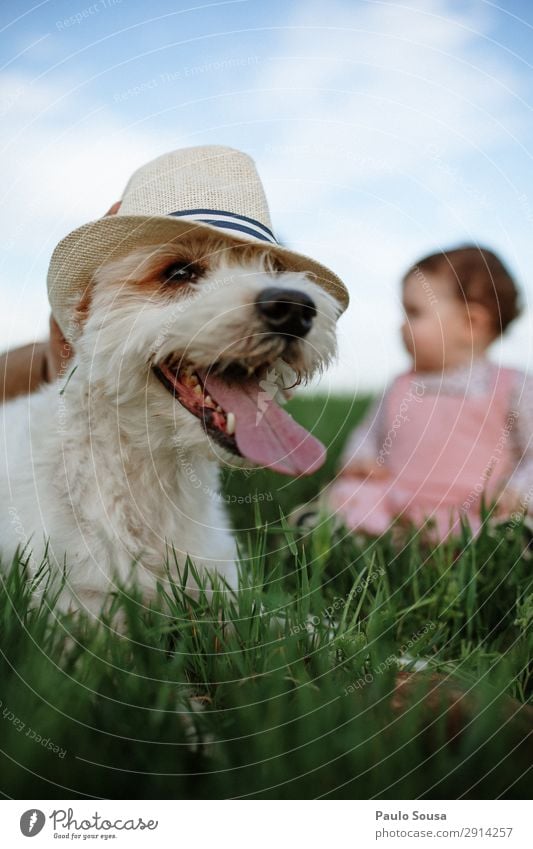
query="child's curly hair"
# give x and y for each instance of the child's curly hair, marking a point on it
(480, 277)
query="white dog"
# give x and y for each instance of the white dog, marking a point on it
(182, 353)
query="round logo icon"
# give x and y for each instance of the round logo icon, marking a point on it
(31, 822)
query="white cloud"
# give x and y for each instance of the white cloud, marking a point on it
(65, 162)
(363, 98)
(363, 90)
(355, 100)
(63, 165)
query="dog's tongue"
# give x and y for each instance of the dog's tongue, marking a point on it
(264, 432)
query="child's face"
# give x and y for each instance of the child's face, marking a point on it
(437, 331)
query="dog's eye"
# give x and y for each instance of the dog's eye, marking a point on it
(182, 272)
(278, 267)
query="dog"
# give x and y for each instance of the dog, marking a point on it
(185, 351)
(175, 342)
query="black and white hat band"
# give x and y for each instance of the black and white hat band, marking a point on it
(228, 221)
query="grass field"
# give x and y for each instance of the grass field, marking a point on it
(293, 691)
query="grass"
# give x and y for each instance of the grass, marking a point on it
(290, 689)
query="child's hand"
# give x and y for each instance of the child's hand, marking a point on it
(509, 504)
(359, 468)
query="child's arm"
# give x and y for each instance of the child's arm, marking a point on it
(517, 493)
(362, 454)
(23, 370)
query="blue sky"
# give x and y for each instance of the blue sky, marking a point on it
(382, 130)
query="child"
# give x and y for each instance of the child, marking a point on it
(455, 425)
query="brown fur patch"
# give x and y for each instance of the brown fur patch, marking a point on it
(81, 313)
(144, 269)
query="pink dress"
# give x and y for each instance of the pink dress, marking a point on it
(441, 453)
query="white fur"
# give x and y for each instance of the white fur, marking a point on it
(114, 469)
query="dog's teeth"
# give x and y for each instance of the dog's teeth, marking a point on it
(197, 389)
(190, 380)
(208, 399)
(219, 409)
(230, 423)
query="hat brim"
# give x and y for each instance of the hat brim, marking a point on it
(84, 250)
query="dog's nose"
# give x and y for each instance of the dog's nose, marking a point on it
(286, 310)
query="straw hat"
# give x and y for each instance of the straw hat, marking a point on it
(210, 189)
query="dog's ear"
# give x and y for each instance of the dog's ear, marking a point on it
(81, 311)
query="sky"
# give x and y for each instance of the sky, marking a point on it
(382, 131)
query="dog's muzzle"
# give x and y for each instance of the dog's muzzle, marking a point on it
(286, 311)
